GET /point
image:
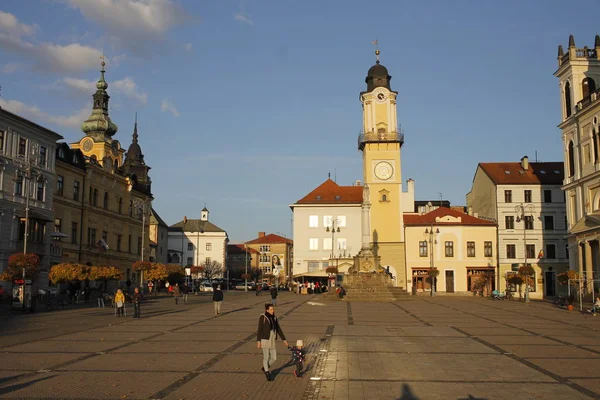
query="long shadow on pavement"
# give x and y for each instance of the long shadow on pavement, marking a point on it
(12, 388)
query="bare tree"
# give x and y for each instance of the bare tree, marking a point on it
(212, 270)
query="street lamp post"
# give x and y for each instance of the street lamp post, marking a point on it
(27, 167)
(246, 275)
(431, 234)
(521, 210)
(142, 206)
(335, 222)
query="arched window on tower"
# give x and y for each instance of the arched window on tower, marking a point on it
(105, 200)
(571, 159)
(568, 99)
(588, 86)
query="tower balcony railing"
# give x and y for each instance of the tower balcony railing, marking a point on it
(584, 53)
(380, 137)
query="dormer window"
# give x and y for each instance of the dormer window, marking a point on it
(318, 197)
(338, 197)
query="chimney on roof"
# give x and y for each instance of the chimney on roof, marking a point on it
(185, 219)
(261, 234)
(476, 215)
(357, 183)
(525, 163)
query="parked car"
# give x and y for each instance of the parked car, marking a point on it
(206, 287)
(241, 285)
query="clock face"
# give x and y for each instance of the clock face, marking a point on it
(384, 170)
(380, 97)
(87, 145)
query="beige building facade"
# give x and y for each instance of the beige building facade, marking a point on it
(275, 255)
(102, 194)
(462, 248)
(579, 79)
(525, 200)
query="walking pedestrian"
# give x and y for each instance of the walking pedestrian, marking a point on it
(268, 332)
(185, 290)
(274, 294)
(176, 293)
(101, 297)
(137, 299)
(150, 287)
(120, 302)
(218, 299)
(298, 358)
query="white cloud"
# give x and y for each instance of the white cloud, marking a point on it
(129, 88)
(135, 24)
(187, 47)
(166, 105)
(46, 56)
(125, 86)
(243, 18)
(34, 113)
(11, 26)
(10, 68)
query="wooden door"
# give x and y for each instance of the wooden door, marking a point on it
(449, 281)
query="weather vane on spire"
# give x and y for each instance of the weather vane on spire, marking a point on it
(102, 63)
(377, 52)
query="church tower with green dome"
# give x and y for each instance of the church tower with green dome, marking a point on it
(98, 143)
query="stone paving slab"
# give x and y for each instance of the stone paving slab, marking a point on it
(140, 362)
(189, 347)
(441, 348)
(89, 385)
(550, 351)
(446, 391)
(38, 361)
(54, 346)
(108, 336)
(229, 386)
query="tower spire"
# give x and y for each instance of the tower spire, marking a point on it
(135, 133)
(377, 52)
(98, 125)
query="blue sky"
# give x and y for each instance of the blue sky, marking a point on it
(246, 106)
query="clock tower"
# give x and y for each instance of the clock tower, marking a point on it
(98, 143)
(380, 142)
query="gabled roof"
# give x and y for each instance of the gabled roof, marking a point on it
(239, 248)
(271, 238)
(194, 225)
(512, 173)
(441, 212)
(330, 192)
(158, 218)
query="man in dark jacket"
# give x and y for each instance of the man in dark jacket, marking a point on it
(137, 299)
(218, 299)
(274, 294)
(266, 335)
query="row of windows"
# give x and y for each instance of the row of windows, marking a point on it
(449, 249)
(508, 196)
(190, 260)
(265, 249)
(60, 187)
(313, 244)
(509, 222)
(191, 246)
(328, 220)
(38, 194)
(42, 156)
(511, 251)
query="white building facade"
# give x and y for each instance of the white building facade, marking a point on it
(197, 242)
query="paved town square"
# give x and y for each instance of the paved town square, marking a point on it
(447, 347)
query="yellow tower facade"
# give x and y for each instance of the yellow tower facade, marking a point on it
(380, 142)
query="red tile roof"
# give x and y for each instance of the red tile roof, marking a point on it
(430, 218)
(511, 173)
(237, 248)
(330, 192)
(271, 238)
